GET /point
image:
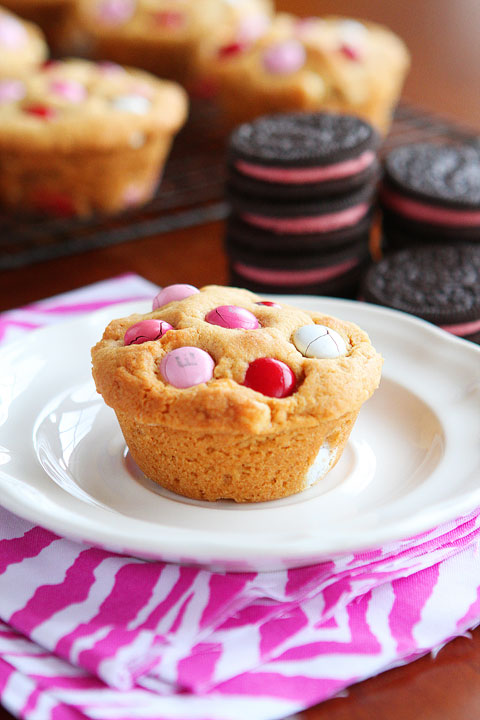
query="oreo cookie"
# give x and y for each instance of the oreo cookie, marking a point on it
(262, 240)
(301, 155)
(440, 284)
(432, 192)
(335, 273)
(318, 215)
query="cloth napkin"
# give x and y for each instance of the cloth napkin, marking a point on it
(85, 633)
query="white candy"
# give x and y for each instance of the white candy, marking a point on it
(136, 104)
(319, 341)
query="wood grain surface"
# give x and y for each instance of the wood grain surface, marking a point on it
(443, 39)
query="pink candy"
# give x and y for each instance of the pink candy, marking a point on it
(187, 366)
(115, 12)
(284, 57)
(252, 27)
(172, 293)
(172, 19)
(11, 90)
(12, 33)
(146, 330)
(233, 317)
(70, 90)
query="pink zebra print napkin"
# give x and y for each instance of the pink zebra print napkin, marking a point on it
(85, 633)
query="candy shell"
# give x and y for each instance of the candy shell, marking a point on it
(41, 111)
(252, 27)
(70, 90)
(187, 366)
(12, 33)
(172, 293)
(115, 12)
(270, 377)
(233, 317)
(319, 341)
(136, 104)
(231, 49)
(284, 57)
(268, 303)
(145, 331)
(11, 90)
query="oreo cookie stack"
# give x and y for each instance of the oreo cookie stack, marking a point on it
(430, 194)
(301, 188)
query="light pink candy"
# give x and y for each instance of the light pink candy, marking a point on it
(12, 33)
(146, 330)
(232, 317)
(11, 90)
(187, 366)
(115, 12)
(70, 90)
(251, 28)
(284, 57)
(172, 293)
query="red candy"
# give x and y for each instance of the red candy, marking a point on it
(41, 111)
(350, 52)
(268, 303)
(232, 49)
(53, 203)
(270, 377)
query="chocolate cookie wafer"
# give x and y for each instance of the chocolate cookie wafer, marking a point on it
(302, 155)
(440, 284)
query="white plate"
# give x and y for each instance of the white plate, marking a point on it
(413, 459)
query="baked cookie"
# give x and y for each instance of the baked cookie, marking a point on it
(161, 36)
(22, 48)
(431, 193)
(440, 284)
(80, 137)
(302, 155)
(329, 63)
(221, 395)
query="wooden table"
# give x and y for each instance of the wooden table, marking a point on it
(445, 77)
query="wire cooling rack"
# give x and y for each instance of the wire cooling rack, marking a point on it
(191, 192)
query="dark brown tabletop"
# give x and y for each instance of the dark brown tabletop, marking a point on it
(445, 78)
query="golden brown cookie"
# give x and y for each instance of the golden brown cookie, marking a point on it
(330, 63)
(82, 137)
(220, 395)
(160, 36)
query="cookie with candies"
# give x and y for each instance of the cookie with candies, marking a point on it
(78, 137)
(223, 395)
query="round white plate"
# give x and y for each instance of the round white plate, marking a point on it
(412, 461)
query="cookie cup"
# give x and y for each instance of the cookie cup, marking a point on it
(102, 153)
(221, 439)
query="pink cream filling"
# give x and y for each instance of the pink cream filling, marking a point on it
(467, 328)
(294, 277)
(429, 213)
(314, 223)
(299, 176)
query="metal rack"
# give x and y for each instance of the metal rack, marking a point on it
(191, 192)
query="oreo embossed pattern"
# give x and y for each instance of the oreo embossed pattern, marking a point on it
(439, 284)
(431, 194)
